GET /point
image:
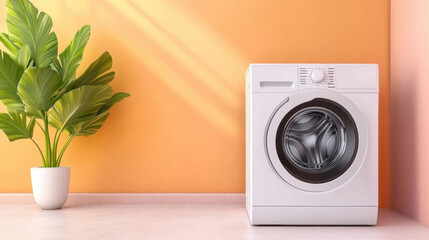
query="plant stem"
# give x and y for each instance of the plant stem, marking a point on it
(40, 126)
(41, 153)
(62, 150)
(55, 144)
(47, 142)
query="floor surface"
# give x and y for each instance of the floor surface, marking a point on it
(181, 221)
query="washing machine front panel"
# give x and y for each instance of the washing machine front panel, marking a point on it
(315, 140)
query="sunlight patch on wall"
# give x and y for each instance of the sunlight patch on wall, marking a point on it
(180, 51)
(184, 39)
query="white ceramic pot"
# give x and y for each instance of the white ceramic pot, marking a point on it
(50, 186)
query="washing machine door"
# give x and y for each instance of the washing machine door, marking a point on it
(316, 140)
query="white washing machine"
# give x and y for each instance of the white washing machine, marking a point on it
(312, 144)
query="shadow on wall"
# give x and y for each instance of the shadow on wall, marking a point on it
(191, 64)
(404, 172)
(184, 61)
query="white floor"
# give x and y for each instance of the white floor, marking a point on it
(180, 221)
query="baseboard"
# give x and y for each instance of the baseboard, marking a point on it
(133, 198)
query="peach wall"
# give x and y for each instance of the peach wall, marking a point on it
(410, 107)
(184, 62)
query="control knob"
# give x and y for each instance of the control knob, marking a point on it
(317, 76)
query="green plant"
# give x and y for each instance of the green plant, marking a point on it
(39, 87)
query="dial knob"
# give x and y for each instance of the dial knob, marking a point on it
(317, 75)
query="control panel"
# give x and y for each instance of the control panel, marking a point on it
(315, 76)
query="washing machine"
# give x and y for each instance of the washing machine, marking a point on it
(312, 144)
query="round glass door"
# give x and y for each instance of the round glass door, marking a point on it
(317, 141)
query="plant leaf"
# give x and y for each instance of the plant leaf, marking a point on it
(39, 89)
(79, 105)
(13, 49)
(103, 79)
(23, 56)
(27, 26)
(93, 75)
(15, 125)
(92, 125)
(89, 126)
(10, 74)
(72, 56)
(117, 97)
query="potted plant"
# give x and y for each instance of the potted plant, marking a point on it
(40, 88)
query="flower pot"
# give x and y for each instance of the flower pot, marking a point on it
(50, 186)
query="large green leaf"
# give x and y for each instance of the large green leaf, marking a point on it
(39, 89)
(15, 125)
(79, 105)
(117, 97)
(13, 49)
(27, 26)
(94, 74)
(89, 126)
(23, 56)
(72, 56)
(10, 74)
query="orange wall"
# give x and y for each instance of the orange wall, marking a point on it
(410, 107)
(184, 62)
